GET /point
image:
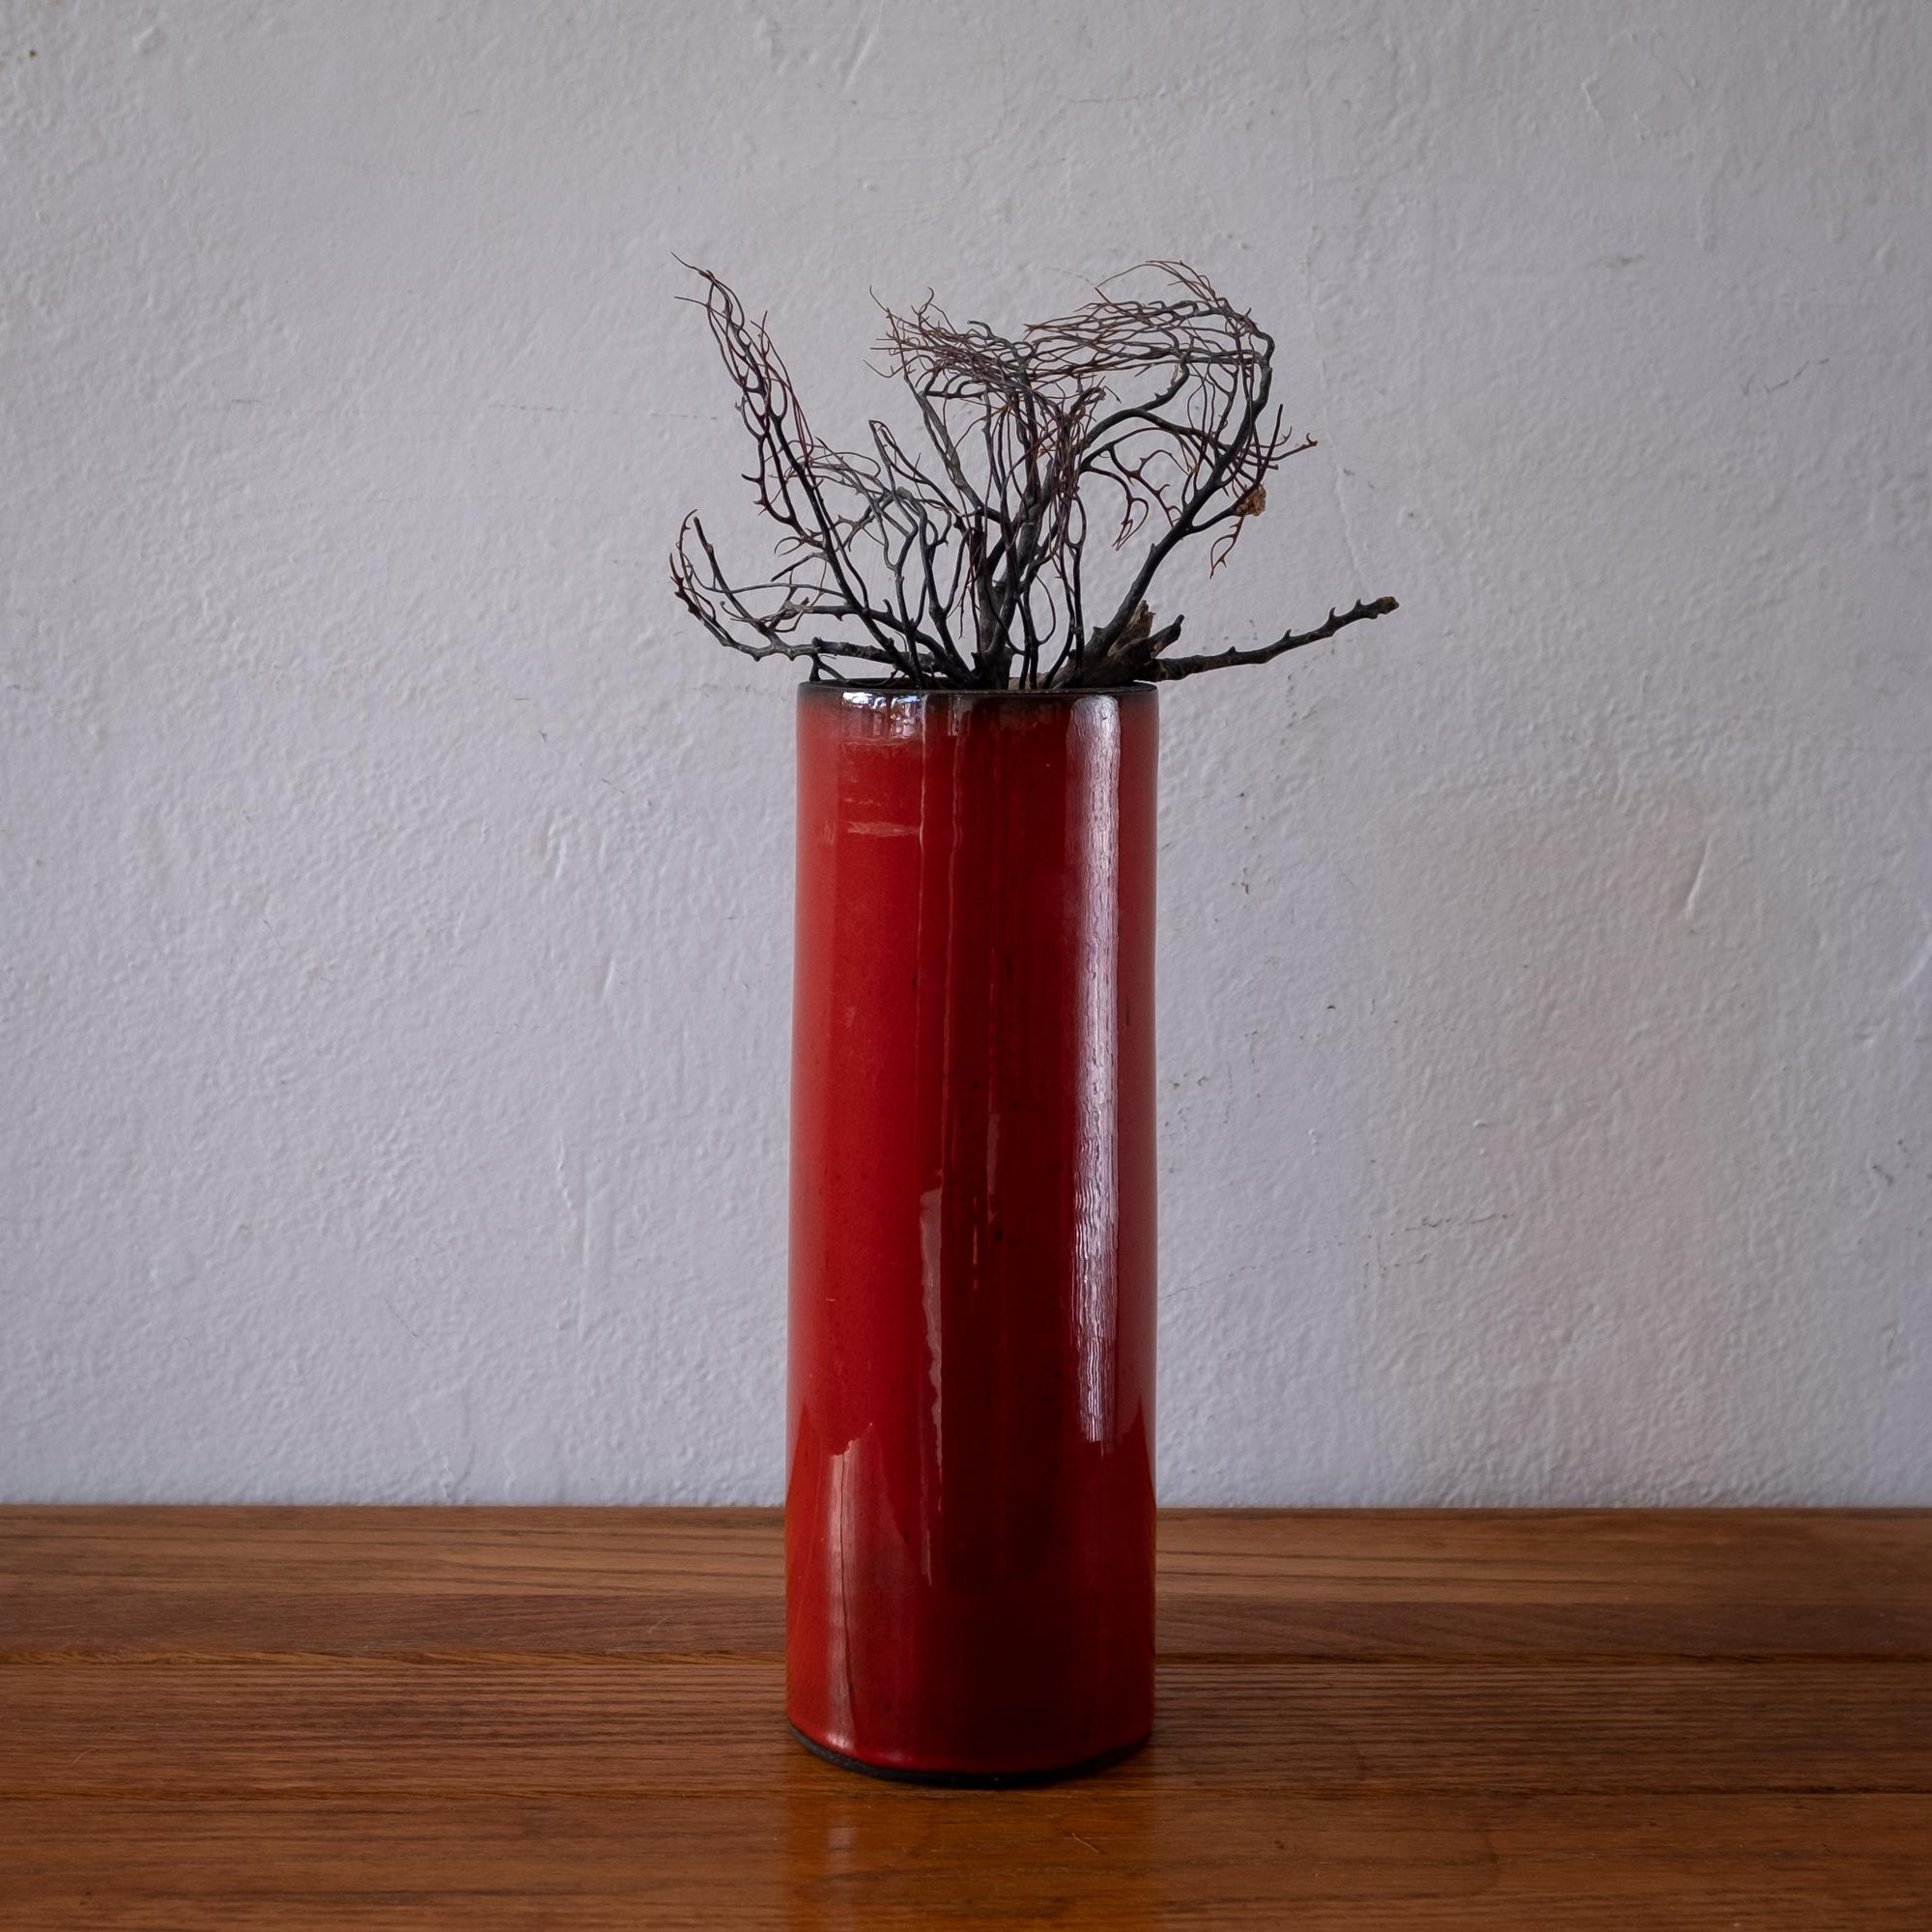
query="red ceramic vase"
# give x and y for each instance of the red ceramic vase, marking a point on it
(969, 1504)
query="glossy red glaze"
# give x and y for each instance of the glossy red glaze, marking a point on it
(969, 1509)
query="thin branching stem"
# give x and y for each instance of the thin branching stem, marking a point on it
(1160, 402)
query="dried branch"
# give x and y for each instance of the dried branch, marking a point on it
(1166, 669)
(1161, 404)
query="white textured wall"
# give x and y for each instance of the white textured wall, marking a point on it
(394, 944)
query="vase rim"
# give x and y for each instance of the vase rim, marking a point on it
(895, 692)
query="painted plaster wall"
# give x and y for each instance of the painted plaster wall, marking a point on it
(394, 949)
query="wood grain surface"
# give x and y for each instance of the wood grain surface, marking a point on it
(571, 1718)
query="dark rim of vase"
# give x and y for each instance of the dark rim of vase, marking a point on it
(971, 1780)
(894, 689)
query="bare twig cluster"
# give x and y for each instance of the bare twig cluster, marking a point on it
(959, 561)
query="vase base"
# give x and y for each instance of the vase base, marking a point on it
(969, 1780)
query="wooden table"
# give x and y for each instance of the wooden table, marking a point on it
(248, 1718)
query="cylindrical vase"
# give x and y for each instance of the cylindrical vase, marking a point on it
(969, 1503)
